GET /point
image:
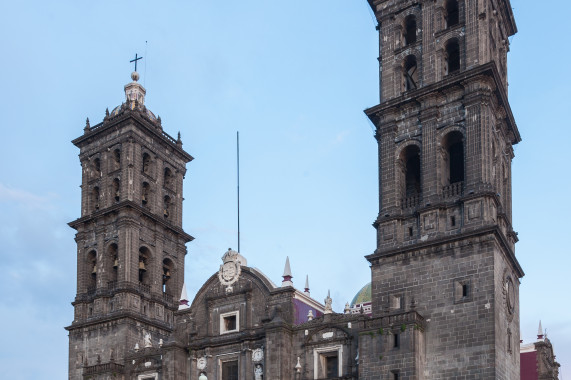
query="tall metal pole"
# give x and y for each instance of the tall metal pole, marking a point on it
(238, 187)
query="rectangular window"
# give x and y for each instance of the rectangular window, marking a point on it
(230, 370)
(396, 340)
(229, 322)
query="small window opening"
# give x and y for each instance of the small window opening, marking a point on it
(332, 366)
(167, 207)
(410, 73)
(452, 57)
(146, 163)
(396, 340)
(145, 194)
(464, 290)
(395, 376)
(453, 221)
(117, 159)
(90, 311)
(143, 262)
(113, 258)
(116, 189)
(454, 167)
(410, 231)
(230, 323)
(452, 13)
(92, 267)
(410, 30)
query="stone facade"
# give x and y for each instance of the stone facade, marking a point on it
(444, 276)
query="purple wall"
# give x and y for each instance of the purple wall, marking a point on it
(301, 309)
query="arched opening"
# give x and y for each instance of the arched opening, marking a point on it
(92, 270)
(168, 178)
(144, 261)
(410, 30)
(146, 163)
(167, 207)
(452, 57)
(410, 73)
(452, 16)
(97, 167)
(116, 189)
(113, 264)
(145, 191)
(116, 159)
(453, 173)
(411, 159)
(95, 197)
(167, 277)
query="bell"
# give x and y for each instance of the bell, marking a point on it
(167, 274)
(142, 265)
(116, 263)
(94, 271)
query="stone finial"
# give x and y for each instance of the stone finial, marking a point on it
(287, 274)
(183, 303)
(328, 301)
(306, 289)
(298, 366)
(106, 113)
(147, 340)
(540, 332)
(310, 315)
(178, 140)
(347, 309)
(87, 126)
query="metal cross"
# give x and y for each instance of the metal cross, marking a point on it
(135, 60)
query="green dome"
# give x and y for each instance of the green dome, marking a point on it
(364, 295)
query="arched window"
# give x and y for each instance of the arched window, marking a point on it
(409, 30)
(454, 155)
(145, 193)
(410, 73)
(116, 189)
(411, 159)
(95, 197)
(117, 159)
(167, 277)
(452, 57)
(146, 163)
(168, 178)
(144, 261)
(167, 207)
(92, 270)
(452, 15)
(113, 261)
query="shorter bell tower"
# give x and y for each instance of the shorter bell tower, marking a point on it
(130, 241)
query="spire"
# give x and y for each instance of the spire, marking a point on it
(87, 126)
(540, 332)
(183, 298)
(306, 290)
(287, 274)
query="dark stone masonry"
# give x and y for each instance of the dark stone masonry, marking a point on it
(444, 276)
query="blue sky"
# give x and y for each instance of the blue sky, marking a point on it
(293, 77)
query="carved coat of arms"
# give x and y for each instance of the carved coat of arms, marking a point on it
(230, 269)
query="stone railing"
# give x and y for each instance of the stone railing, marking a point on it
(453, 190)
(412, 201)
(102, 368)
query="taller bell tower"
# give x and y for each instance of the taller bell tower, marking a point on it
(445, 242)
(130, 241)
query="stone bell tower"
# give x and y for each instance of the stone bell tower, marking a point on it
(130, 241)
(445, 242)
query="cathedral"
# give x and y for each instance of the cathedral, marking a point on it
(443, 299)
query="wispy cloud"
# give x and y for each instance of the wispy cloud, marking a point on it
(25, 198)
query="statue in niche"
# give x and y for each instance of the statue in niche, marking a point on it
(258, 372)
(147, 340)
